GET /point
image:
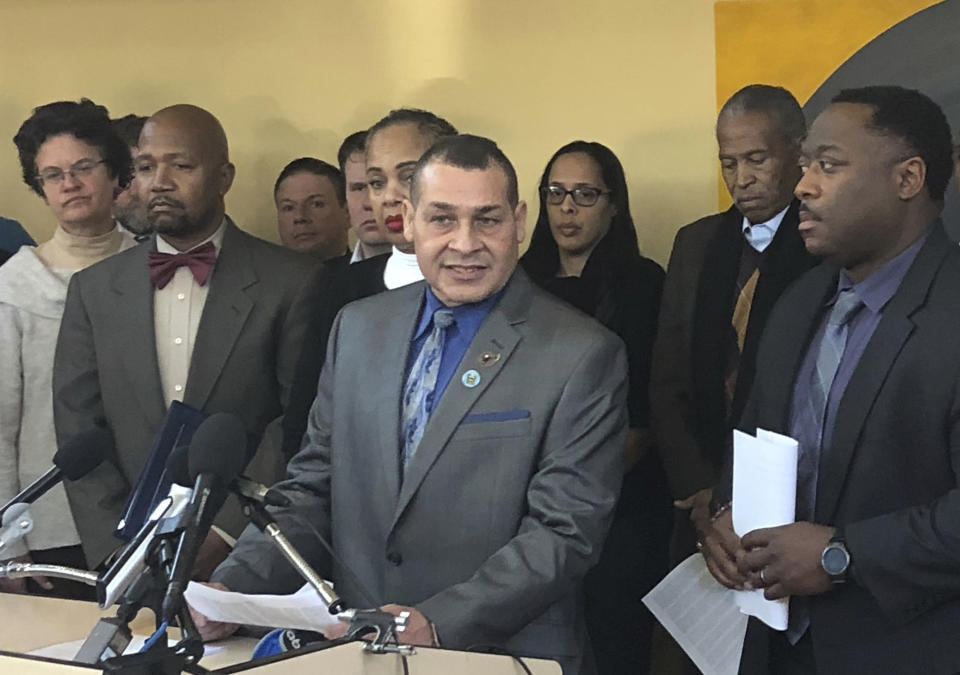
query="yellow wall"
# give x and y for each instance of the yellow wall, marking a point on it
(803, 41)
(292, 77)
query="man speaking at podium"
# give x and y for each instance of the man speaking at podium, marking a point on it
(465, 447)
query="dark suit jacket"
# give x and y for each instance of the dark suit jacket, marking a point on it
(346, 284)
(890, 479)
(243, 360)
(688, 409)
(506, 503)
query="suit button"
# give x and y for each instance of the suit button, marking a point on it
(394, 558)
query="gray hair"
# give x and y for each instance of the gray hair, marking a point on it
(776, 102)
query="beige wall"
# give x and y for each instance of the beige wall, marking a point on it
(291, 77)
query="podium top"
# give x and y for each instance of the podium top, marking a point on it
(38, 622)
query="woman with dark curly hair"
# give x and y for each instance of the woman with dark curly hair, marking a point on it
(584, 250)
(72, 158)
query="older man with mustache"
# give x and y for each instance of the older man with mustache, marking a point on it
(204, 314)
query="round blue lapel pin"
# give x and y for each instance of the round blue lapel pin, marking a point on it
(470, 379)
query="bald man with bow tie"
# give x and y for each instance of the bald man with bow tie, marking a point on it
(204, 314)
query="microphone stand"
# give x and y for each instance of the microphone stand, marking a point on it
(362, 622)
(110, 637)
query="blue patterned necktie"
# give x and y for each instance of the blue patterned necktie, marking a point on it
(421, 383)
(814, 414)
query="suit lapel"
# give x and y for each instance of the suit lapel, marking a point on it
(138, 346)
(497, 335)
(229, 302)
(792, 339)
(394, 335)
(879, 356)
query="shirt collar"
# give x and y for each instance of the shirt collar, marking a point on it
(432, 303)
(401, 269)
(877, 289)
(217, 238)
(761, 234)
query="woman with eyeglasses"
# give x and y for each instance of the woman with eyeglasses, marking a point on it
(72, 159)
(584, 250)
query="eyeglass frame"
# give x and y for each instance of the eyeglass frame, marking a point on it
(74, 172)
(546, 193)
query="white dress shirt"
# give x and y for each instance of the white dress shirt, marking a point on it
(760, 235)
(177, 308)
(402, 269)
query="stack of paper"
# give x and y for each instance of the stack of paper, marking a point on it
(764, 495)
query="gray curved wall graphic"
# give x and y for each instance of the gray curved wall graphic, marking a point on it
(921, 52)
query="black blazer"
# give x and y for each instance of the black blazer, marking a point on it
(346, 284)
(689, 415)
(890, 479)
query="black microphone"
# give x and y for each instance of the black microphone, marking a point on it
(79, 456)
(217, 454)
(178, 471)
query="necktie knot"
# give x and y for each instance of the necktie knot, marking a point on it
(200, 260)
(443, 318)
(847, 304)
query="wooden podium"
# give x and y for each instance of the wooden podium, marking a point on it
(35, 623)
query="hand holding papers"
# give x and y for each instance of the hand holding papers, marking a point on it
(764, 495)
(303, 609)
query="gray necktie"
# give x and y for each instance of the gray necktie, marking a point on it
(420, 386)
(811, 445)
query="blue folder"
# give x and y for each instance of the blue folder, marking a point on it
(152, 485)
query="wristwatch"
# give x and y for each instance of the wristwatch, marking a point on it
(835, 560)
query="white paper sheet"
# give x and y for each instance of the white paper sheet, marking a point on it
(764, 495)
(303, 609)
(701, 615)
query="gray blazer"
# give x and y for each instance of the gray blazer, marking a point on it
(106, 368)
(507, 501)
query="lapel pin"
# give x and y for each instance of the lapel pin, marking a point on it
(470, 379)
(489, 358)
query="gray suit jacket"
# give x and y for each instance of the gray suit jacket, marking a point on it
(507, 501)
(106, 369)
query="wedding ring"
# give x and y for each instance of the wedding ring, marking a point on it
(699, 545)
(762, 580)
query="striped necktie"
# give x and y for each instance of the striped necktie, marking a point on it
(831, 351)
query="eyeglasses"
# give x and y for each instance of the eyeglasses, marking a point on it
(582, 196)
(54, 175)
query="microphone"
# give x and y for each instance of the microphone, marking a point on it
(79, 456)
(283, 640)
(179, 472)
(217, 454)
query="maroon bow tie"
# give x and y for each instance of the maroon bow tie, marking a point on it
(200, 260)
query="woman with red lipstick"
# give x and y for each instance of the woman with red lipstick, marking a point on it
(392, 148)
(74, 160)
(584, 250)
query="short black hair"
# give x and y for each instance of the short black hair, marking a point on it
(917, 120)
(129, 127)
(84, 120)
(352, 144)
(465, 151)
(776, 102)
(426, 122)
(319, 168)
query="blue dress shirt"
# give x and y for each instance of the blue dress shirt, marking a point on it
(467, 320)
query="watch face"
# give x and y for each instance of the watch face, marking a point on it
(835, 560)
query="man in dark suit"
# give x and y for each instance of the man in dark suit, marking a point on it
(466, 446)
(203, 313)
(859, 362)
(725, 274)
